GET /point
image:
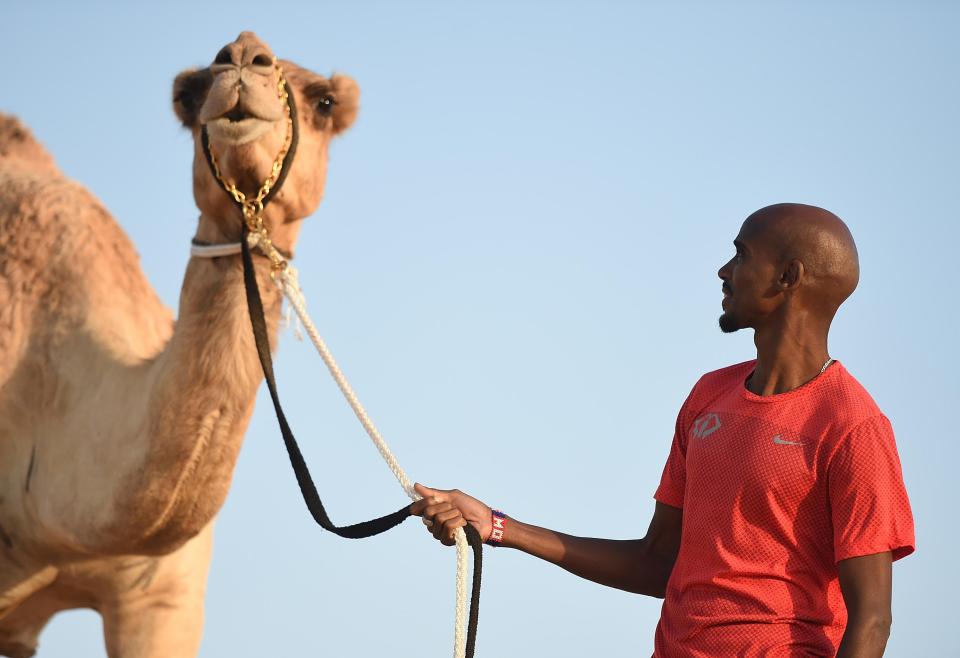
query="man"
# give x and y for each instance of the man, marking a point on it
(781, 506)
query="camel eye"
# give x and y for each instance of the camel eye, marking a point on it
(325, 105)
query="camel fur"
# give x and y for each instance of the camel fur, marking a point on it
(120, 427)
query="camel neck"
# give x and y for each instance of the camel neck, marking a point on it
(201, 399)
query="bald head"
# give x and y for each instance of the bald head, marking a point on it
(797, 233)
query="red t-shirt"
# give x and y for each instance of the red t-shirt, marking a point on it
(775, 491)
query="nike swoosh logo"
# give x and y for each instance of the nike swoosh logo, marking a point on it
(780, 441)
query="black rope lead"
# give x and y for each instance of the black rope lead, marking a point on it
(473, 538)
(307, 487)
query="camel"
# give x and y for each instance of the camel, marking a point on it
(120, 428)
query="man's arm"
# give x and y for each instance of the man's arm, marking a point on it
(642, 566)
(866, 583)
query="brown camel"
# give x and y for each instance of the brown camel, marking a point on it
(120, 428)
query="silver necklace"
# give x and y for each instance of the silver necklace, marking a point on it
(826, 365)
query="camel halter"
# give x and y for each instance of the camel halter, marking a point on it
(255, 236)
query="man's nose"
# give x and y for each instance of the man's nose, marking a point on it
(722, 272)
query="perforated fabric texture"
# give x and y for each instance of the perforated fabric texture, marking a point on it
(775, 490)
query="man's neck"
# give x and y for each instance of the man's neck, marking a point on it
(788, 356)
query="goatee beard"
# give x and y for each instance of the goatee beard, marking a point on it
(728, 324)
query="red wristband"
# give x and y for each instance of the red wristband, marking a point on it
(499, 520)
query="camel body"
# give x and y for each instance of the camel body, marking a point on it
(120, 428)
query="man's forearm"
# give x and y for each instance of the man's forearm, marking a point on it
(865, 638)
(631, 565)
(642, 566)
(866, 582)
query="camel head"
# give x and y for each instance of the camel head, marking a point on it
(236, 98)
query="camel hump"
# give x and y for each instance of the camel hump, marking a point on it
(18, 143)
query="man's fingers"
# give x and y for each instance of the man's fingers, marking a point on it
(432, 510)
(427, 492)
(442, 523)
(418, 508)
(453, 526)
(446, 523)
(439, 514)
(450, 531)
(437, 528)
(443, 516)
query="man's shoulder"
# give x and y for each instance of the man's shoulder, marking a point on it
(836, 392)
(716, 383)
(725, 377)
(848, 398)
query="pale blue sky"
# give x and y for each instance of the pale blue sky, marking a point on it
(516, 266)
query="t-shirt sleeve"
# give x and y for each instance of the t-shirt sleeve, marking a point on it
(868, 500)
(673, 482)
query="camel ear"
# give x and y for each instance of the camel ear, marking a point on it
(189, 92)
(346, 96)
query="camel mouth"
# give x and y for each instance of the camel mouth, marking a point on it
(237, 127)
(236, 114)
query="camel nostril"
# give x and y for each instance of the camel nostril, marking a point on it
(263, 60)
(224, 57)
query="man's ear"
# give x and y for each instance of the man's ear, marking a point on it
(346, 95)
(189, 93)
(792, 274)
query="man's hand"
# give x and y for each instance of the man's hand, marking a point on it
(638, 565)
(443, 511)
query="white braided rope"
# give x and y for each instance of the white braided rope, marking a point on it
(291, 290)
(287, 282)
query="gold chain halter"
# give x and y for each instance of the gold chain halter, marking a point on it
(253, 208)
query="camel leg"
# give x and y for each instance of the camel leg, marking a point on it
(159, 611)
(20, 628)
(26, 605)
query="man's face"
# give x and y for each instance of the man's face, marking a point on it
(749, 278)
